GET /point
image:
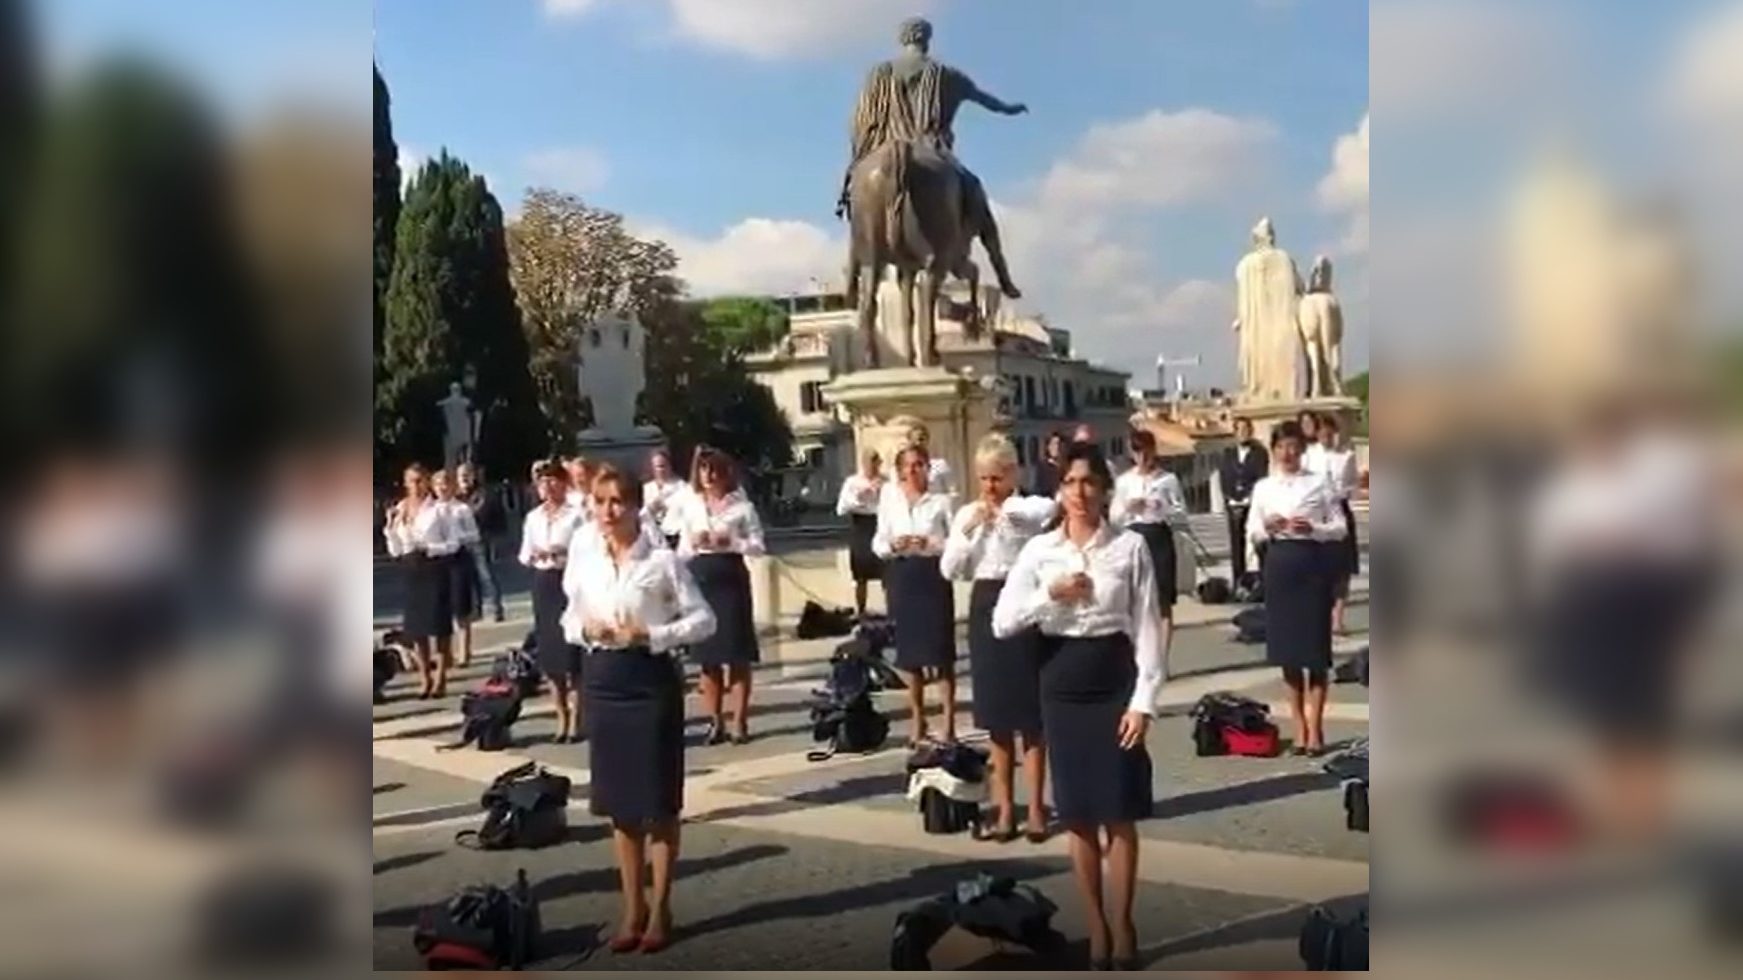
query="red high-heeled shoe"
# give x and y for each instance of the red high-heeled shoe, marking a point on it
(631, 941)
(654, 942)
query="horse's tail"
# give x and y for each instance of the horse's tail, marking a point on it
(895, 211)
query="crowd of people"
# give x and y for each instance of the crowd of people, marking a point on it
(1069, 621)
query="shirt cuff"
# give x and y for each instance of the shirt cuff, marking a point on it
(1144, 693)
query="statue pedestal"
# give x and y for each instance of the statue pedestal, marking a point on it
(1265, 416)
(957, 411)
(628, 451)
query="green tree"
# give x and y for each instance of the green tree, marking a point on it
(450, 310)
(18, 112)
(1358, 388)
(387, 179)
(698, 392)
(133, 319)
(745, 324)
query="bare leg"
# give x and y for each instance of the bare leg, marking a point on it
(711, 685)
(1086, 869)
(1337, 605)
(1004, 790)
(565, 717)
(916, 706)
(1122, 885)
(1297, 710)
(631, 846)
(859, 591)
(1035, 770)
(663, 856)
(950, 704)
(1317, 685)
(579, 701)
(421, 653)
(463, 629)
(444, 660)
(739, 677)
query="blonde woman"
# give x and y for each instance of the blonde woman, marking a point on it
(913, 525)
(985, 538)
(421, 535)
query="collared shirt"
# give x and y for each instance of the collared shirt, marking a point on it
(939, 479)
(430, 530)
(929, 517)
(1147, 498)
(660, 502)
(989, 551)
(650, 587)
(859, 495)
(1338, 466)
(1122, 600)
(732, 514)
(465, 523)
(545, 532)
(588, 534)
(1298, 494)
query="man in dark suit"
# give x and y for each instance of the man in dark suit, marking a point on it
(1243, 465)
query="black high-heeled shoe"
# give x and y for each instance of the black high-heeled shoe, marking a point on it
(716, 734)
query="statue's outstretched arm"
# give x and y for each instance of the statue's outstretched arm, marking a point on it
(974, 94)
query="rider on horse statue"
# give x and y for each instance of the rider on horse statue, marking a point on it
(913, 98)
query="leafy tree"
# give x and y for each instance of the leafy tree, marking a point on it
(699, 392)
(572, 264)
(387, 179)
(18, 112)
(450, 308)
(745, 324)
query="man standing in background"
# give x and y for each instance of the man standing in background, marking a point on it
(1243, 465)
(492, 524)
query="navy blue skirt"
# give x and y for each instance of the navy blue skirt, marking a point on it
(725, 583)
(924, 609)
(1159, 539)
(463, 574)
(558, 659)
(1301, 579)
(634, 705)
(1007, 673)
(862, 561)
(1086, 687)
(429, 596)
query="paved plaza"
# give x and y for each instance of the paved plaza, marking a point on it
(806, 865)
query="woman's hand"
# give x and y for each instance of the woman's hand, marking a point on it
(1134, 725)
(632, 633)
(1073, 588)
(1276, 525)
(599, 631)
(1300, 525)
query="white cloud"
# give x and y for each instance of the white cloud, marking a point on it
(757, 255)
(411, 160)
(1705, 83)
(1344, 190)
(1159, 159)
(785, 28)
(575, 169)
(569, 8)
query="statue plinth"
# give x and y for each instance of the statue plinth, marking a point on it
(626, 450)
(956, 409)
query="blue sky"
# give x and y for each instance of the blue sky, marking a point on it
(1158, 133)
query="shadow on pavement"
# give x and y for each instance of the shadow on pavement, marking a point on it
(1244, 794)
(1284, 924)
(404, 861)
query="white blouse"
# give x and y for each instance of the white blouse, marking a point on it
(465, 524)
(1299, 494)
(859, 495)
(734, 514)
(660, 500)
(1147, 498)
(430, 530)
(938, 478)
(1122, 600)
(545, 537)
(989, 551)
(928, 517)
(1338, 466)
(651, 587)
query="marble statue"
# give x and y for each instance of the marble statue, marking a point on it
(1322, 333)
(612, 374)
(1267, 299)
(459, 427)
(910, 202)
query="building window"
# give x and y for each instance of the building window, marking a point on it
(1022, 452)
(1028, 393)
(1070, 399)
(811, 397)
(814, 458)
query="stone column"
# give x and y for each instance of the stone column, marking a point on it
(956, 410)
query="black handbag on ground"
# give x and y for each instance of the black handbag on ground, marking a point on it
(518, 668)
(842, 713)
(527, 806)
(939, 814)
(816, 622)
(989, 907)
(488, 716)
(1221, 710)
(1215, 591)
(1356, 805)
(1331, 943)
(481, 928)
(386, 668)
(1250, 625)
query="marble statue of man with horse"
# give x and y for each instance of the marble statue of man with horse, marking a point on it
(911, 204)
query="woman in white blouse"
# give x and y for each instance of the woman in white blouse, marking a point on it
(913, 525)
(663, 492)
(546, 535)
(635, 606)
(1148, 501)
(1090, 588)
(984, 541)
(1295, 514)
(421, 535)
(859, 504)
(1333, 459)
(462, 571)
(719, 528)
